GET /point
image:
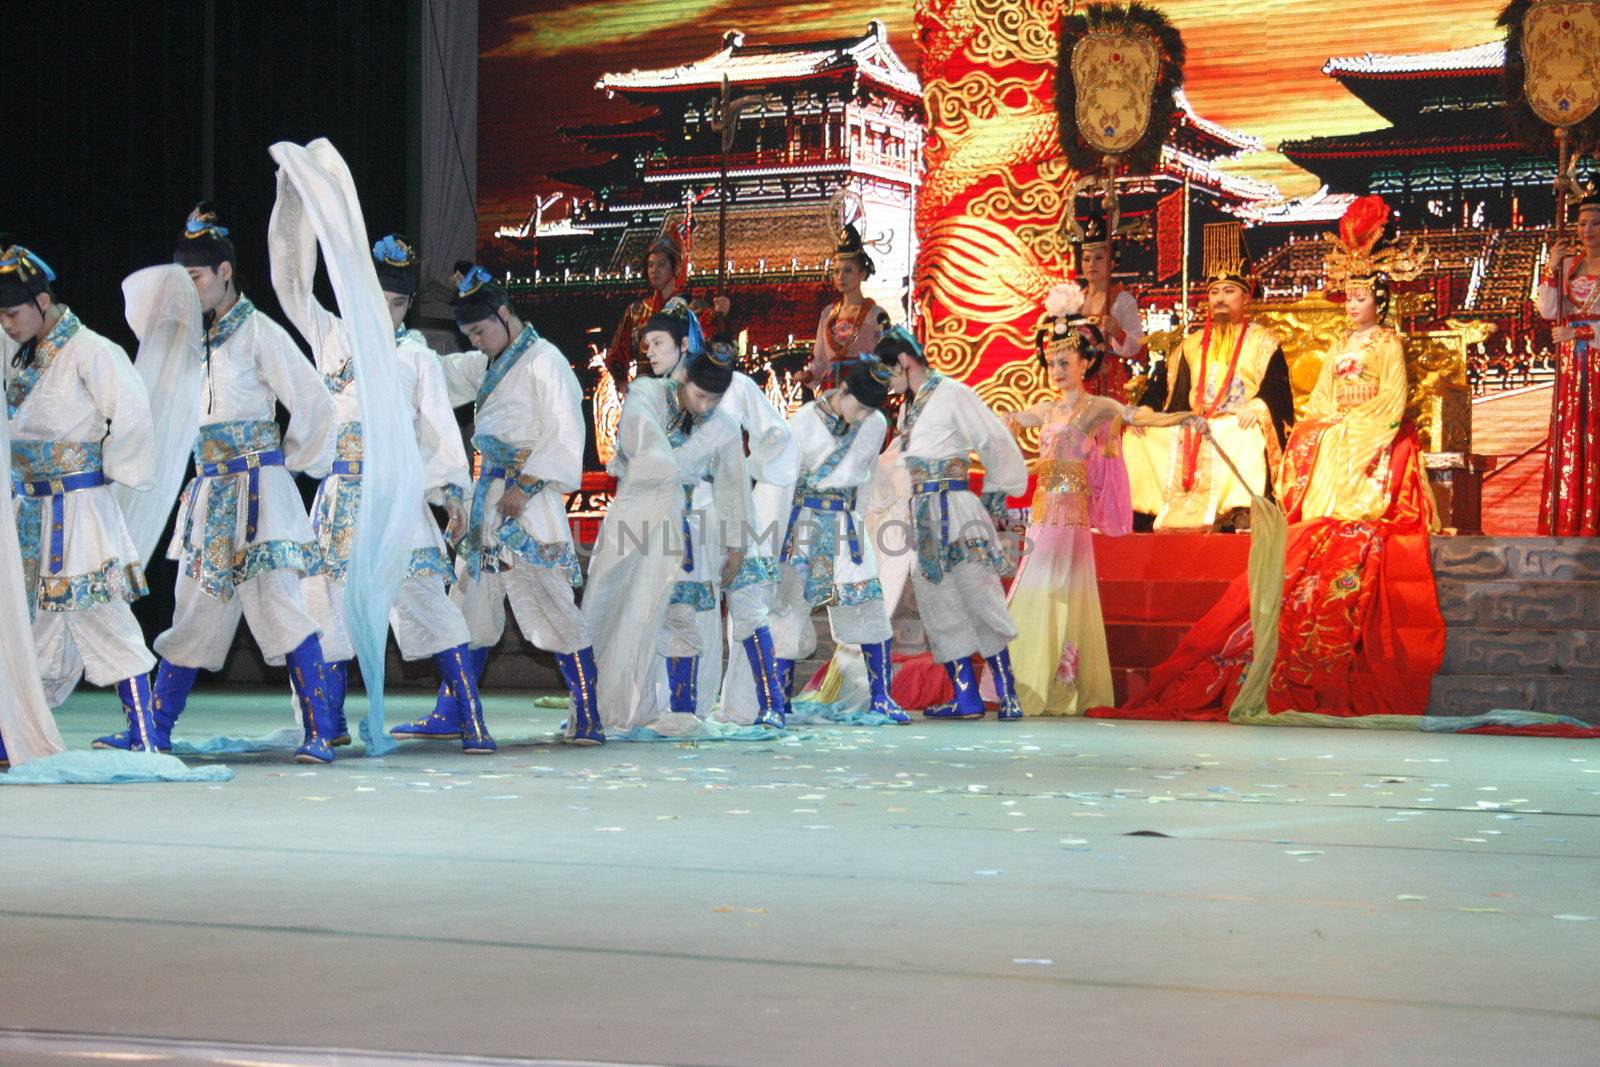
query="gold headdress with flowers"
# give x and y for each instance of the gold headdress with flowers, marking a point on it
(1357, 256)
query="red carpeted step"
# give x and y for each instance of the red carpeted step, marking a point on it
(1133, 601)
(1129, 683)
(1142, 644)
(1171, 556)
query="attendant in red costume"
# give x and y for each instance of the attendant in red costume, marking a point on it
(851, 325)
(1111, 308)
(1569, 296)
(666, 268)
(1360, 631)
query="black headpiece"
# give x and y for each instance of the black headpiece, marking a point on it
(868, 382)
(850, 246)
(478, 295)
(713, 370)
(396, 263)
(678, 319)
(204, 241)
(897, 340)
(1092, 231)
(23, 276)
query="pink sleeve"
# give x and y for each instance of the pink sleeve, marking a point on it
(1110, 495)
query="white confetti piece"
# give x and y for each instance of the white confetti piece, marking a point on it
(1033, 963)
(1409, 896)
(608, 829)
(1302, 852)
(1574, 918)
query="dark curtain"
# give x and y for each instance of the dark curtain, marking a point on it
(107, 132)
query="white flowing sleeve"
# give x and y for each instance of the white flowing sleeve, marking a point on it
(560, 434)
(444, 459)
(27, 729)
(1128, 338)
(463, 375)
(308, 444)
(774, 456)
(730, 490)
(292, 251)
(119, 395)
(1004, 470)
(1549, 302)
(860, 463)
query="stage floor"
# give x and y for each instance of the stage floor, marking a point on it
(1043, 892)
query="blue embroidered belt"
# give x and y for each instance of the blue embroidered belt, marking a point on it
(830, 500)
(932, 478)
(57, 489)
(250, 465)
(222, 451)
(349, 468)
(943, 487)
(502, 462)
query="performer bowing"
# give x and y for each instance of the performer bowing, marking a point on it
(960, 555)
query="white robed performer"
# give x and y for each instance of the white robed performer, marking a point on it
(529, 432)
(243, 539)
(960, 554)
(751, 686)
(829, 558)
(426, 623)
(680, 511)
(78, 419)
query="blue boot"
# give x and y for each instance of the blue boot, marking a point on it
(338, 681)
(139, 705)
(170, 696)
(967, 704)
(5, 760)
(583, 725)
(1005, 685)
(785, 669)
(681, 678)
(456, 666)
(443, 723)
(880, 668)
(310, 675)
(763, 665)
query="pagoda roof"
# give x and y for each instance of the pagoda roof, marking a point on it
(1212, 139)
(1486, 58)
(1322, 206)
(1406, 87)
(647, 128)
(869, 55)
(1398, 143)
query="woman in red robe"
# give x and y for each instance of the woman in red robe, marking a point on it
(1569, 296)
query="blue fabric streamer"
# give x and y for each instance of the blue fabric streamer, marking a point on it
(391, 483)
(1452, 724)
(723, 732)
(110, 767)
(284, 740)
(807, 712)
